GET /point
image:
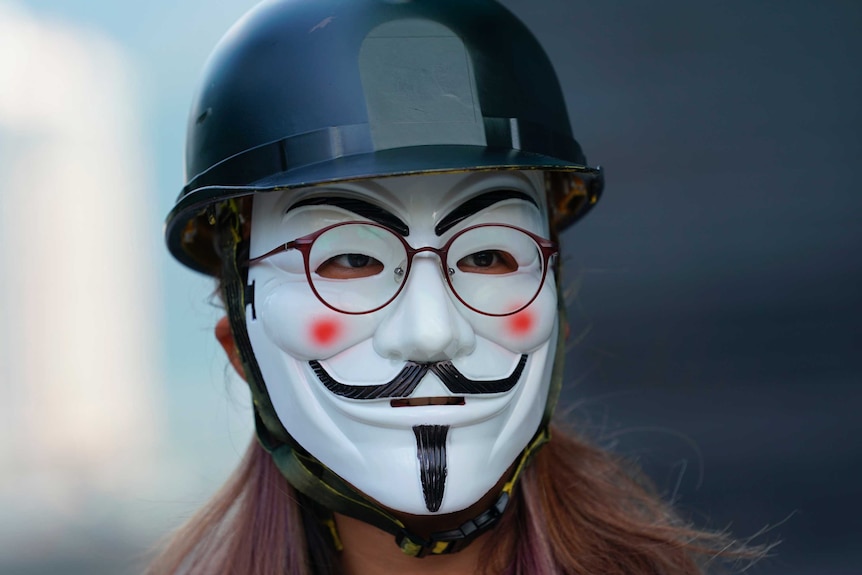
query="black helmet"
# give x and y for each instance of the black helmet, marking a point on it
(304, 92)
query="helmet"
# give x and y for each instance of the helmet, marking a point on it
(301, 93)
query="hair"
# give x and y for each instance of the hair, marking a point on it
(578, 509)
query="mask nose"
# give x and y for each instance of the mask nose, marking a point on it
(423, 324)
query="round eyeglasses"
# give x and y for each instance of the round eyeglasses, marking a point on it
(360, 267)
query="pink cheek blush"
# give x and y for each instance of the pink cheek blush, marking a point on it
(521, 323)
(325, 332)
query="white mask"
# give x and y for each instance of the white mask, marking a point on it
(313, 357)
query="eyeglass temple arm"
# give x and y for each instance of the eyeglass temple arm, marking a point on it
(272, 252)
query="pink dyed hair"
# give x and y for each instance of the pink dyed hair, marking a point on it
(578, 509)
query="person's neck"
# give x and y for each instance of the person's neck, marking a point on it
(370, 551)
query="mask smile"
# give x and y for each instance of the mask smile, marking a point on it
(403, 384)
(423, 401)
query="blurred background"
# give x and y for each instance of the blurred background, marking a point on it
(716, 291)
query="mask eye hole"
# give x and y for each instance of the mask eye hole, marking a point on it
(488, 262)
(349, 266)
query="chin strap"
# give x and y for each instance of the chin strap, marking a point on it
(325, 488)
(304, 472)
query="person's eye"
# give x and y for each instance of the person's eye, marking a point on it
(349, 266)
(488, 262)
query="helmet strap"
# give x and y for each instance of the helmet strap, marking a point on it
(234, 294)
(317, 482)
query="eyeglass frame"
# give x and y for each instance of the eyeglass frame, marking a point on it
(547, 248)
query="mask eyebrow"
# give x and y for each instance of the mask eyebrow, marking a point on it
(360, 208)
(476, 205)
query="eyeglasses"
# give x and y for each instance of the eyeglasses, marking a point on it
(360, 267)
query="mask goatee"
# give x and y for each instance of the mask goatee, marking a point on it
(431, 451)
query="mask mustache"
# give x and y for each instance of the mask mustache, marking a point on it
(408, 379)
(457, 382)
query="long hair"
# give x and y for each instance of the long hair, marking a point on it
(583, 510)
(252, 525)
(578, 510)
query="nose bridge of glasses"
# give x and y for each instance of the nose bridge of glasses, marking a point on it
(427, 253)
(422, 324)
(422, 259)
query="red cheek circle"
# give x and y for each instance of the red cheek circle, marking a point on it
(521, 323)
(325, 331)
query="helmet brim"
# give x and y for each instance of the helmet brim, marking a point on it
(189, 227)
